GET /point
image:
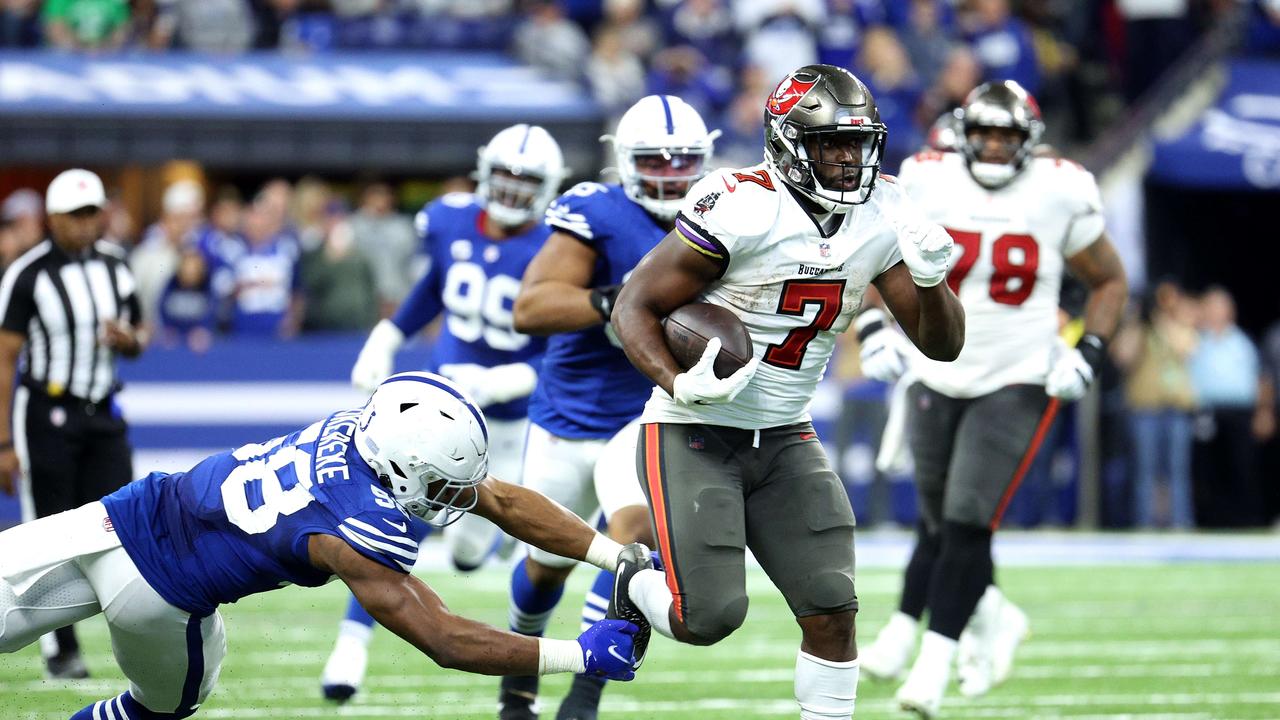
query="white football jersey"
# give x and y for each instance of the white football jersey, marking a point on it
(793, 288)
(1011, 245)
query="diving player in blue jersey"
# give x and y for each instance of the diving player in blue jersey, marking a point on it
(587, 390)
(344, 497)
(478, 247)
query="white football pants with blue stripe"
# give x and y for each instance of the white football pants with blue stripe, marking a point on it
(68, 567)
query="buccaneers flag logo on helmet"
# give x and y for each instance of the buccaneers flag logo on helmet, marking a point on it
(788, 93)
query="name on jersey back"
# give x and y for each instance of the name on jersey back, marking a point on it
(331, 450)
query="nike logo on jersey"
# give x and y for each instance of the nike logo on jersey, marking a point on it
(727, 186)
(613, 650)
(402, 527)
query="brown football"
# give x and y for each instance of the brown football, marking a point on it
(688, 328)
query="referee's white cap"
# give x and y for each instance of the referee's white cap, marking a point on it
(72, 190)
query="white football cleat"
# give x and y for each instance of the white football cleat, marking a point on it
(986, 658)
(889, 653)
(927, 682)
(1013, 628)
(973, 653)
(344, 671)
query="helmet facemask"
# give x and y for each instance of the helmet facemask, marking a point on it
(995, 158)
(836, 166)
(659, 178)
(518, 175)
(512, 198)
(995, 153)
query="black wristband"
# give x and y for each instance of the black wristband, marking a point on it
(869, 321)
(1094, 350)
(603, 298)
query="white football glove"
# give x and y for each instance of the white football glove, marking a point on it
(492, 385)
(884, 352)
(926, 249)
(699, 385)
(377, 358)
(1070, 375)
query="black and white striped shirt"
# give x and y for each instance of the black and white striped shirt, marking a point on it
(60, 304)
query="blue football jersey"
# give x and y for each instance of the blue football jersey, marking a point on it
(474, 280)
(237, 523)
(587, 387)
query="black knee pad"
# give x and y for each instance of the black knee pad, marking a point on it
(708, 628)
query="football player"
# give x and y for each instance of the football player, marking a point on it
(790, 246)
(343, 497)
(974, 425)
(478, 247)
(587, 392)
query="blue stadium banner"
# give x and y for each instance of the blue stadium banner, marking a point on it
(1235, 144)
(456, 86)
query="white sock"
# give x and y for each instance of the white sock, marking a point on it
(648, 590)
(825, 689)
(901, 628)
(936, 652)
(354, 631)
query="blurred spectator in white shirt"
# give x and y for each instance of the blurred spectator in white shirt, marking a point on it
(779, 33)
(219, 26)
(155, 259)
(615, 74)
(387, 239)
(550, 41)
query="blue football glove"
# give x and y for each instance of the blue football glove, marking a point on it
(607, 649)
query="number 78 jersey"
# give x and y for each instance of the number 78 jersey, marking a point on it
(1012, 244)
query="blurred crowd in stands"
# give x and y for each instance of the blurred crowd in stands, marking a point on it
(1082, 58)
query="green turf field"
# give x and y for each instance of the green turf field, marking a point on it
(1176, 641)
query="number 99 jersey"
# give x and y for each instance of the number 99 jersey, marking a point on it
(1012, 244)
(474, 279)
(238, 522)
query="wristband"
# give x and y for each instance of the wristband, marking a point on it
(560, 656)
(1094, 350)
(603, 298)
(603, 553)
(869, 321)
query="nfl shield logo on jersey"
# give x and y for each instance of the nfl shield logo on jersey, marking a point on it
(824, 249)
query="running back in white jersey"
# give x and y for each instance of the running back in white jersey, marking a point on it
(1011, 246)
(793, 288)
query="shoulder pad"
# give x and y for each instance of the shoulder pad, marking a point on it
(731, 204)
(579, 209)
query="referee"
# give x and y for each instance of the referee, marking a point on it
(67, 308)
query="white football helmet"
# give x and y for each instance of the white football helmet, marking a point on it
(519, 174)
(661, 148)
(428, 443)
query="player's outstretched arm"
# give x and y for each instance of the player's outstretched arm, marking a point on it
(539, 521)
(931, 316)
(406, 606)
(670, 276)
(555, 293)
